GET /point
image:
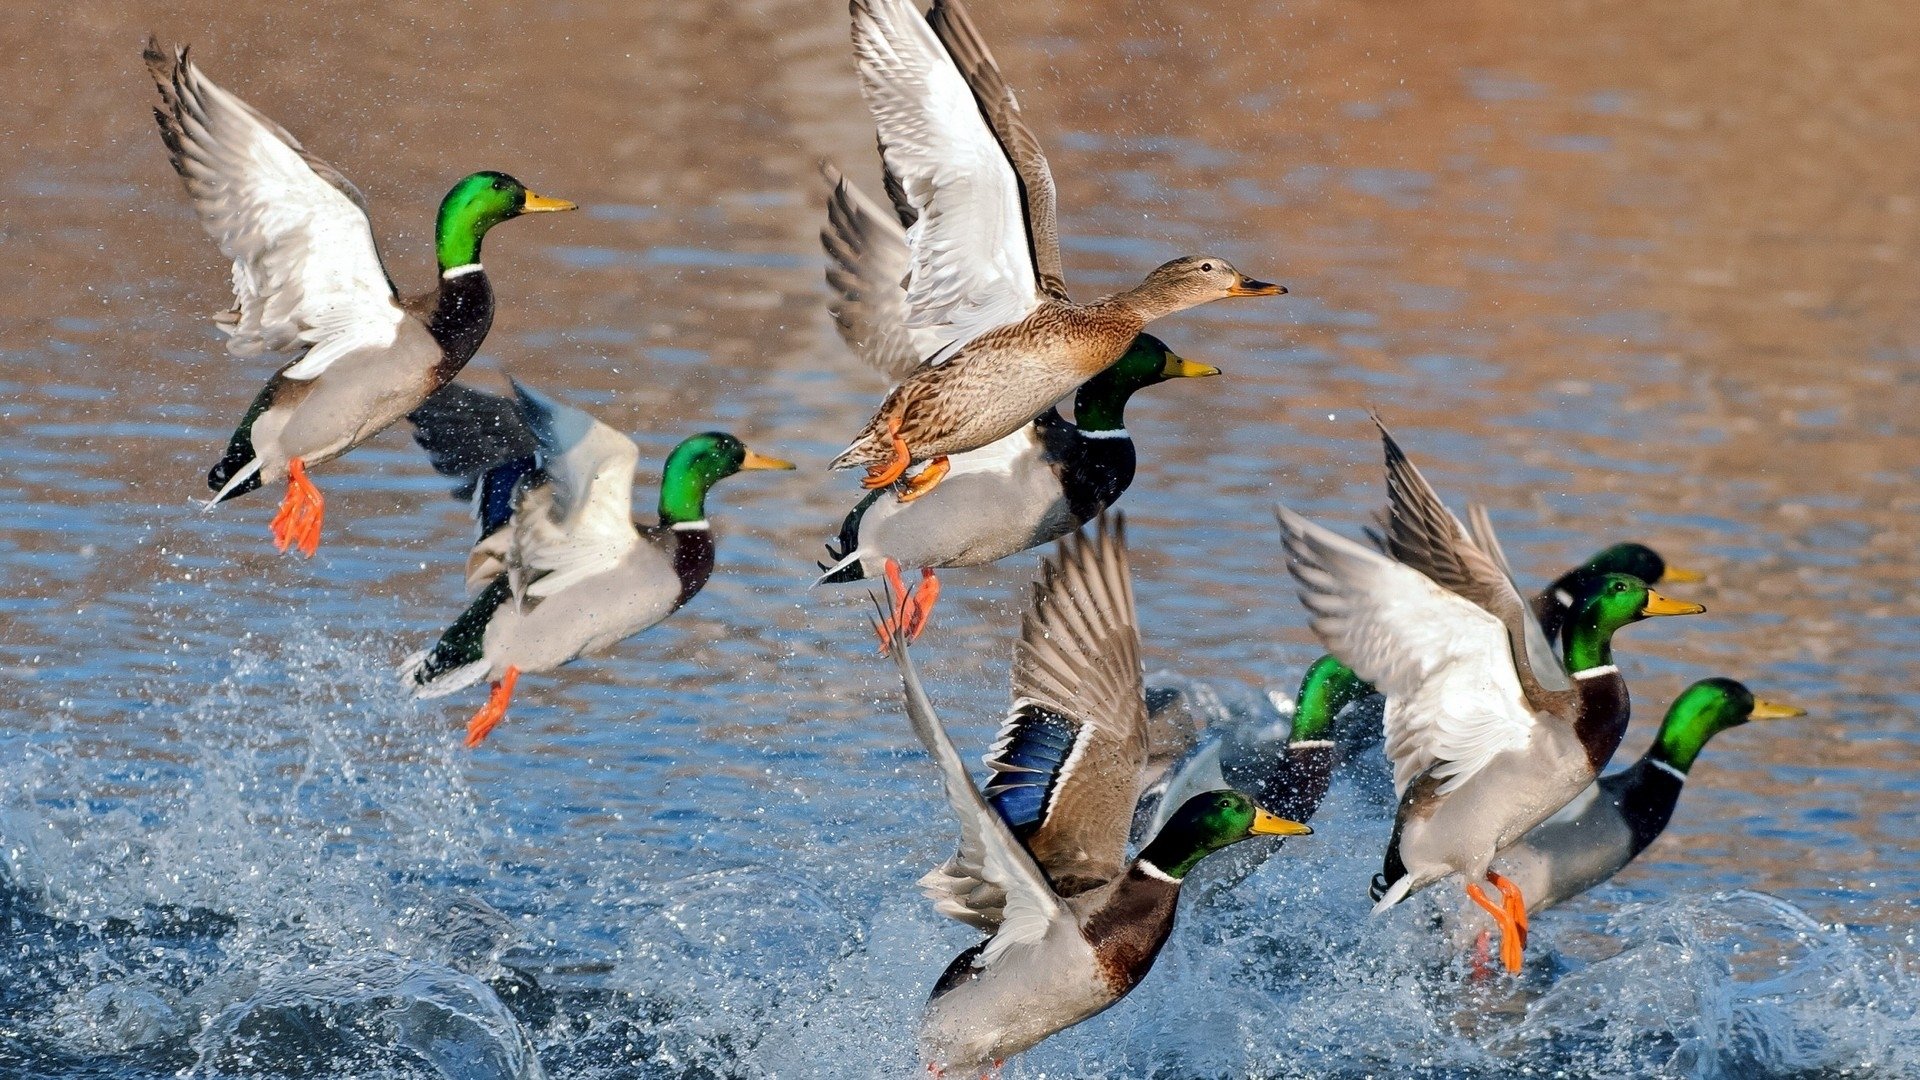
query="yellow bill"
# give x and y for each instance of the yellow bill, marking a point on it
(1773, 710)
(1265, 824)
(540, 204)
(762, 461)
(1663, 605)
(1179, 367)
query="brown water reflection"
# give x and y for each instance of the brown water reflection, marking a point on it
(1616, 270)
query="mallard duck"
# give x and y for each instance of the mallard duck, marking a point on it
(561, 566)
(1025, 490)
(1638, 560)
(984, 276)
(1489, 733)
(309, 286)
(1042, 862)
(1286, 765)
(1609, 824)
(1549, 606)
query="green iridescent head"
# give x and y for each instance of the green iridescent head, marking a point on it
(1206, 823)
(1102, 401)
(1706, 709)
(1638, 560)
(696, 465)
(1603, 606)
(478, 203)
(1328, 687)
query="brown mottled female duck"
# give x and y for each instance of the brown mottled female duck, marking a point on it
(985, 273)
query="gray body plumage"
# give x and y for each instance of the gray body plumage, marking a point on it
(998, 501)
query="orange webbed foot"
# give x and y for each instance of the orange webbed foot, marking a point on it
(930, 476)
(913, 608)
(879, 476)
(301, 513)
(1512, 933)
(917, 610)
(495, 710)
(1515, 904)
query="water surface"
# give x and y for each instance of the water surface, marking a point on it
(1618, 275)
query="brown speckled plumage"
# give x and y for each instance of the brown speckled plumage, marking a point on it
(998, 382)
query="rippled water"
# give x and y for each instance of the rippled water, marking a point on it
(1617, 276)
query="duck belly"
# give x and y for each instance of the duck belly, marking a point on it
(971, 519)
(1464, 830)
(995, 386)
(589, 617)
(977, 1018)
(358, 396)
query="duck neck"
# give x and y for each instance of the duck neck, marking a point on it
(1588, 642)
(1646, 793)
(683, 497)
(1146, 302)
(461, 316)
(1100, 405)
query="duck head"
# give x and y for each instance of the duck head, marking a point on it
(1638, 560)
(1101, 401)
(478, 203)
(1208, 822)
(698, 463)
(1706, 709)
(1606, 603)
(1190, 281)
(1327, 687)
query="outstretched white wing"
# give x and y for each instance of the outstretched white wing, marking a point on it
(1445, 664)
(306, 274)
(972, 262)
(580, 522)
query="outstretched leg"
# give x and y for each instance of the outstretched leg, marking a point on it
(495, 710)
(911, 609)
(1515, 903)
(935, 472)
(1511, 936)
(879, 476)
(301, 512)
(921, 609)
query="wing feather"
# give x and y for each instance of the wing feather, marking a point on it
(867, 270)
(971, 266)
(1419, 531)
(989, 855)
(307, 275)
(1078, 659)
(580, 522)
(1454, 700)
(968, 48)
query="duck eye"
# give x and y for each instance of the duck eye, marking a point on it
(1206, 268)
